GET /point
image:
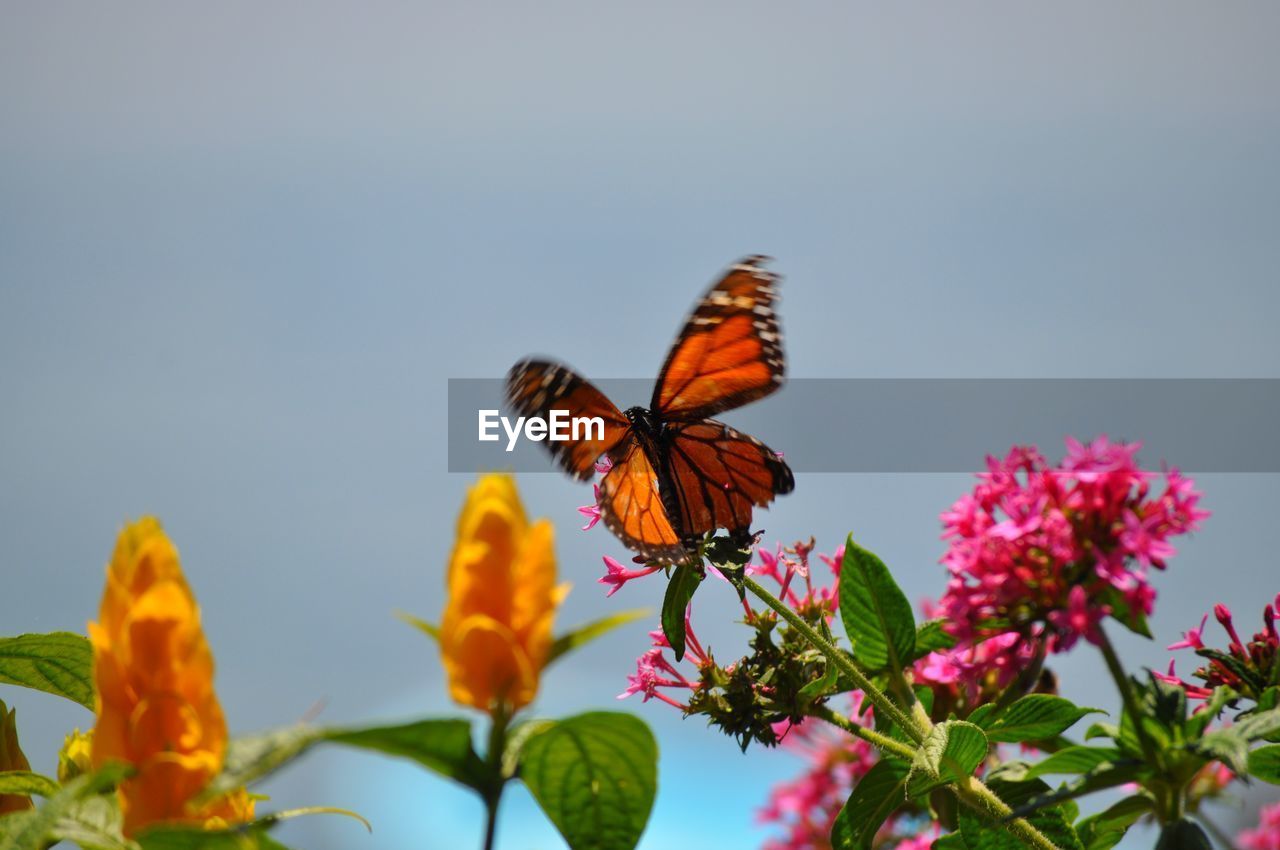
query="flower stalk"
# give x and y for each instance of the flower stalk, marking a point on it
(842, 662)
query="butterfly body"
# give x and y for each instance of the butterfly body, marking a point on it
(676, 473)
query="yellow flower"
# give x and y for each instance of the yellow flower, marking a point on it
(496, 630)
(154, 674)
(76, 755)
(11, 758)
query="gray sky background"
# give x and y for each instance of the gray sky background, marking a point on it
(243, 247)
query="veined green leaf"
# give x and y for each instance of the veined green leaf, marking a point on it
(876, 614)
(1035, 717)
(931, 636)
(440, 745)
(94, 823)
(59, 663)
(1264, 763)
(34, 830)
(951, 751)
(595, 776)
(1227, 746)
(27, 783)
(589, 632)
(1074, 760)
(877, 795)
(680, 589)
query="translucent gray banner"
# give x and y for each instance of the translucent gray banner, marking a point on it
(940, 425)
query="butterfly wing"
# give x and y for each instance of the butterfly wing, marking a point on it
(631, 505)
(716, 475)
(730, 350)
(536, 387)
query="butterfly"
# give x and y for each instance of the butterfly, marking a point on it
(676, 473)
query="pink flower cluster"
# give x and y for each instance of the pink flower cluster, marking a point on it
(655, 673)
(783, 566)
(1267, 834)
(806, 807)
(1255, 661)
(1048, 551)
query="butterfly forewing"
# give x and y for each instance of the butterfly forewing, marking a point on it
(729, 352)
(716, 475)
(536, 387)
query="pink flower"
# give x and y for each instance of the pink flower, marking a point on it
(617, 575)
(591, 512)
(1190, 639)
(1267, 834)
(604, 464)
(1079, 620)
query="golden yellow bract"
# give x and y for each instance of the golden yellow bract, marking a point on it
(156, 706)
(502, 597)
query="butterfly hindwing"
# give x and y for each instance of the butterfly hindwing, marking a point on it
(729, 352)
(631, 506)
(536, 387)
(714, 476)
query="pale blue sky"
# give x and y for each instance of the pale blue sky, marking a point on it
(242, 248)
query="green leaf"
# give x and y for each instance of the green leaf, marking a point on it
(1074, 760)
(950, 841)
(680, 589)
(1036, 717)
(823, 686)
(252, 757)
(876, 614)
(876, 796)
(1213, 706)
(429, 629)
(26, 783)
(59, 663)
(1183, 835)
(33, 830)
(589, 632)
(1105, 829)
(931, 636)
(951, 751)
(94, 823)
(595, 775)
(981, 834)
(1227, 746)
(1258, 724)
(1264, 763)
(440, 745)
(247, 837)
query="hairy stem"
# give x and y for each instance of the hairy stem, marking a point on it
(883, 704)
(975, 794)
(881, 742)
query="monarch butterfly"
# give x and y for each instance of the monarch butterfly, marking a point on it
(678, 474)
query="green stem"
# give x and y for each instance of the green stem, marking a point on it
(883, 704)
(974, 793)
(1125, 687)
(881, 742)
(493, 794)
